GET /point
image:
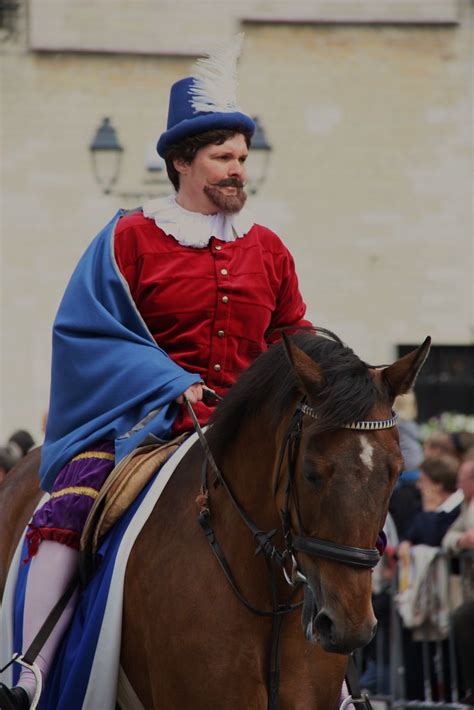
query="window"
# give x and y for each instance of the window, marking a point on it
(446, 381)
(8, 15)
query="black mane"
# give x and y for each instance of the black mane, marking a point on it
(270, 382)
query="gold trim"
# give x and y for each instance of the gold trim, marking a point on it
(94, 455)
(78, 490)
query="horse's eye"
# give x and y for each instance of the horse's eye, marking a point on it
(311, 474)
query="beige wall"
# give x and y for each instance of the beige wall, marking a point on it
(187, 26)
(370, 182)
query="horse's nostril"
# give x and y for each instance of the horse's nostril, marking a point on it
(324, 624)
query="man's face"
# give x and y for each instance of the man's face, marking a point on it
(214, 181)
(466, 479)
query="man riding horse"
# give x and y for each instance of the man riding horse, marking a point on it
(172, 300)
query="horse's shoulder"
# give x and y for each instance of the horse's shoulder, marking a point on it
(19, 494)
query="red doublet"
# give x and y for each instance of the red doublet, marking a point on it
(212, 309)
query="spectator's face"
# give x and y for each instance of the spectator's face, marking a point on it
(438, 445)
(466, 479)
(430, 492)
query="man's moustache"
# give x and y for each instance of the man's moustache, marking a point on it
(230, 182)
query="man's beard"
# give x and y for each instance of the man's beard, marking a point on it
(228, 204)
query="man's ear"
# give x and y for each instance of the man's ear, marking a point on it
(181, 166)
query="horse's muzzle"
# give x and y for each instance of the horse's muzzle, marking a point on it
(331, 633)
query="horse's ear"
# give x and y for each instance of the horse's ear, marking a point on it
(401, 376)
(308, 371)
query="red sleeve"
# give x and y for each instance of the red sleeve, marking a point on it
(290, 310)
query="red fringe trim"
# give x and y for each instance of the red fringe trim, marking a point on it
(35, 536)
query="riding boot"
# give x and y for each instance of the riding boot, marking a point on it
(14, 699)
(50, 572)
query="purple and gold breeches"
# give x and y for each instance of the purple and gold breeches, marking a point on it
(63, 516)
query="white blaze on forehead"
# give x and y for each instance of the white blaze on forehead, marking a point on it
(366, 452)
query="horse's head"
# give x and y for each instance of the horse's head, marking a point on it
(340, 485)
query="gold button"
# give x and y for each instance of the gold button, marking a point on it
(220, 333)
(224, 272)
(218, 247)
(217, 368)
(225, 299)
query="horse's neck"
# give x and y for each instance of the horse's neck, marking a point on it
(248, 467)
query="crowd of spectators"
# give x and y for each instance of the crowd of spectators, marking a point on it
(431, 512)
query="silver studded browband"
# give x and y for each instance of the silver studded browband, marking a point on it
(369, 425)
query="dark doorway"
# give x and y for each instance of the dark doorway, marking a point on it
(446, 381)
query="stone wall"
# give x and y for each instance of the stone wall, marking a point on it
(370, 180)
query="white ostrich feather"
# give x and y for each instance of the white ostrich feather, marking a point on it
(215, 78)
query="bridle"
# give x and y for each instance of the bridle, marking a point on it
(315, 547)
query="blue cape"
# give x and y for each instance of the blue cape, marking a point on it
(109, 378)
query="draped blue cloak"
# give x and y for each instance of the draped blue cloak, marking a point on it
(109, 378)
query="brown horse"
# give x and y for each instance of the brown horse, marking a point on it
(19, 494)
(291, 463)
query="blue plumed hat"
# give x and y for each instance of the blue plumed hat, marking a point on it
(206, 100)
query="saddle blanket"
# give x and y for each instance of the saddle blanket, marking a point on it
(86, 670)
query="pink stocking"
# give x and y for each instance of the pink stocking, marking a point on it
(50, 572)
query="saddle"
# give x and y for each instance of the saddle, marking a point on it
(125, 482)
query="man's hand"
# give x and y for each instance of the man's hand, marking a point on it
(404, 550)
(193, 394)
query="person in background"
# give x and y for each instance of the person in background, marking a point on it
(440, 502)
(19, 443)
(458, 539)
(439, 443)
(6, 462)
(17, 446)
(460, 535)
(463, 441)
(405, 501)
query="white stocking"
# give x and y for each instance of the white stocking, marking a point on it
(51, 570)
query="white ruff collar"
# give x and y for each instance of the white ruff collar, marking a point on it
(193, 229)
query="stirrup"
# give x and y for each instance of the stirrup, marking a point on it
(355, 701)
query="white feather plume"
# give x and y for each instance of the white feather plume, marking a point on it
(215, 78)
